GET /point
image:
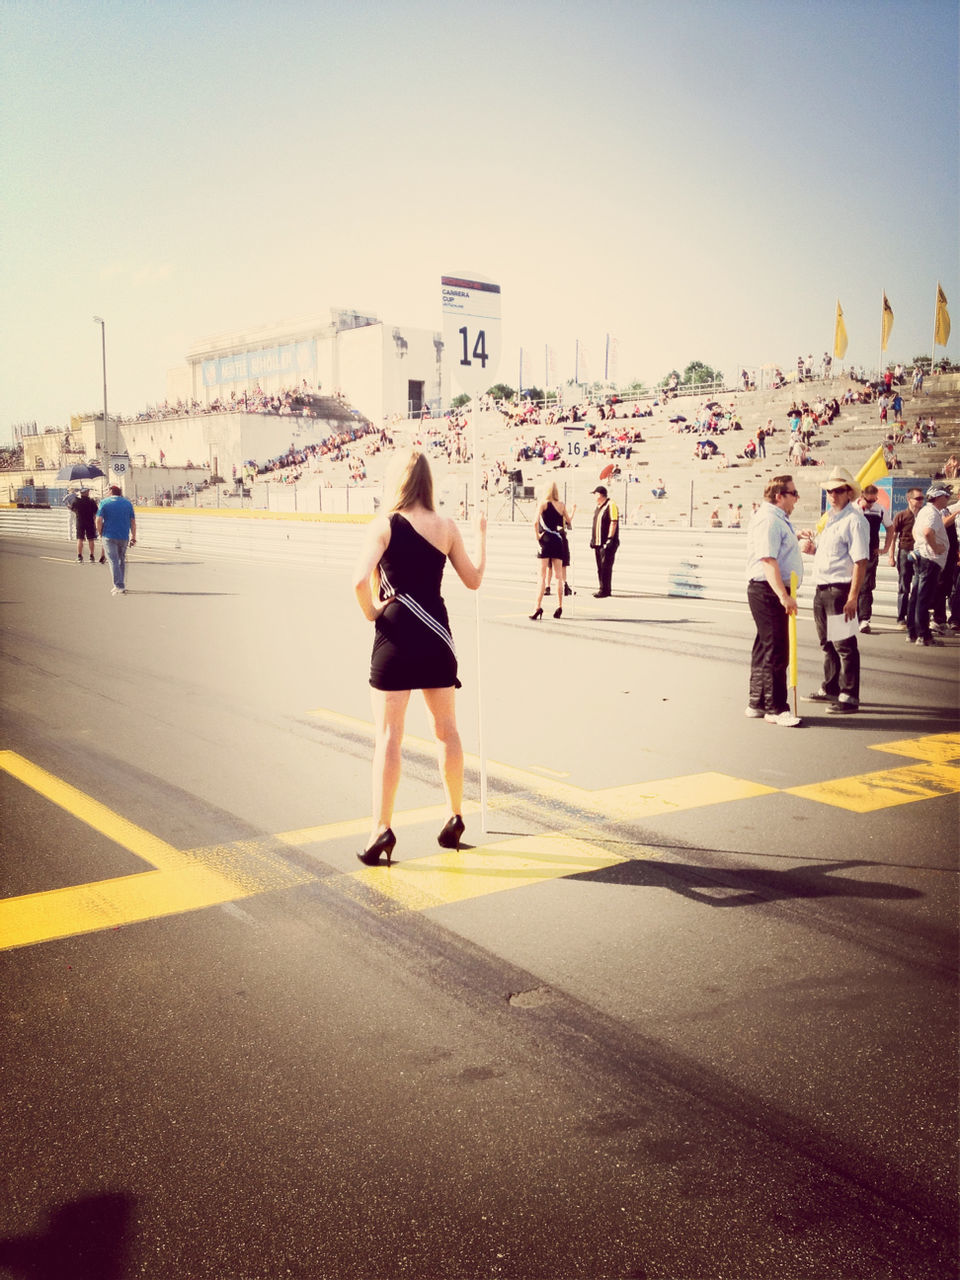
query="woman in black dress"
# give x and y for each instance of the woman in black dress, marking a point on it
(550, 530)
(397, 584)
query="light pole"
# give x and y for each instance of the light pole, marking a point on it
(103, 347)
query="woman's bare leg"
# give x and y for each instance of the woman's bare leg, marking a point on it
(441, 705)
(560, 578)
(389, 710)
(542, 583)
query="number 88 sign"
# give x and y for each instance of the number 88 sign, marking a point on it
(471, 330)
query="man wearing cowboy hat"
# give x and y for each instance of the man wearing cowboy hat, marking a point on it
(841, 550)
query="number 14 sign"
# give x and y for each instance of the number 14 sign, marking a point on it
(471, 330)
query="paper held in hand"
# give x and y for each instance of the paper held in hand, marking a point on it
(838, 628)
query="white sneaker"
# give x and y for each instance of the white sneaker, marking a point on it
(865, 626)
(753, 713)
(786, 719)
(114, 591)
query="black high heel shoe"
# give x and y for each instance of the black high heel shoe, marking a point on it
(449, 837)
(558, 612)
(535, 617)
(566, 589)
(383, 844)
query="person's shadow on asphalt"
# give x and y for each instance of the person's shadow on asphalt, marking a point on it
(740, 887)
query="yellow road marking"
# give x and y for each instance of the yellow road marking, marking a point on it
(886, 788)
(361, 826)
(190, 880)
(181, 881)
(637, 800)
(938, 748)
(440, 878)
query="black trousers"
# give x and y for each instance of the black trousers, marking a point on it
(865, 598)
(905, 570)
(841, 661)
(605, 558)
(771, 649)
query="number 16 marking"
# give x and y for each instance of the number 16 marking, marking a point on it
(479, 348)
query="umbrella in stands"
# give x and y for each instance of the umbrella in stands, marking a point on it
(607, 471)
(79, 471)
(678, 418)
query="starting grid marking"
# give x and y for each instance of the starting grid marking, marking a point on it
(190, 880)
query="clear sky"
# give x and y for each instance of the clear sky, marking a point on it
(700, 179)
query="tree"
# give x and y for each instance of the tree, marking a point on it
(696, 371)
(501, 391)
(459, 401)
(533, 393)
(636, 388)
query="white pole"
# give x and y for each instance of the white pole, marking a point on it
(476, 417)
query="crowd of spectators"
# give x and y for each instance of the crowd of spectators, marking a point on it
(299, 402)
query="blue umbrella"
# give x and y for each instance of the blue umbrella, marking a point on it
(79, 471)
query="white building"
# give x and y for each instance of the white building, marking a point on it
(382, 370)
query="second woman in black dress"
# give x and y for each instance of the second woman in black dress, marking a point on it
(397, 584)
(550, 529)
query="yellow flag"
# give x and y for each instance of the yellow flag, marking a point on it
(941, 328)
(873, 469)
(840, 335)
(886, 322)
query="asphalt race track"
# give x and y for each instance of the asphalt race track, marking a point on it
(685, 1008)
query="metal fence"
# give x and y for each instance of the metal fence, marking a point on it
(705, 564)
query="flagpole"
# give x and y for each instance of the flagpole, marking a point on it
(883, 294)
(477, 511)
(933, 345)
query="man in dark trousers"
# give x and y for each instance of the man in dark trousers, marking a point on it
(85, 513)
(605, 539)
(899, 545)
(872, 510)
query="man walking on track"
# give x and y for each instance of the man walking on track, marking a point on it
(85, 513)
(117, 526)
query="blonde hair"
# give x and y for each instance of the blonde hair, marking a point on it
(412, 481)
(549, 491)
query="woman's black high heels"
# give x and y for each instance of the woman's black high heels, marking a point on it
(449, 837)
(558, 612)
(535, 617)
(383, 844)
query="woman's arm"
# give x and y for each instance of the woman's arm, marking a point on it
(375, 544)
(470, 574)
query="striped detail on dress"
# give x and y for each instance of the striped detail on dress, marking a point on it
(418, 611)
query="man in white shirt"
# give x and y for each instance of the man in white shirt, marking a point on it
(773, 553)
(930, 544)
(841, 550)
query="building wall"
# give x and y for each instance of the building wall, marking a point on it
(222, 440)
(370, 362)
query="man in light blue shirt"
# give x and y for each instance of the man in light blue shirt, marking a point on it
(773, 553)
(117, 526)
(842, 550)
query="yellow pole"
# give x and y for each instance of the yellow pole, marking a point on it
(792, 630)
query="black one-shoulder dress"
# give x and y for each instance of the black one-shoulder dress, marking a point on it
(413, 647)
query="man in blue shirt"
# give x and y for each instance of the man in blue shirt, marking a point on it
(773, 553)
(842, 551)
(117, 526)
